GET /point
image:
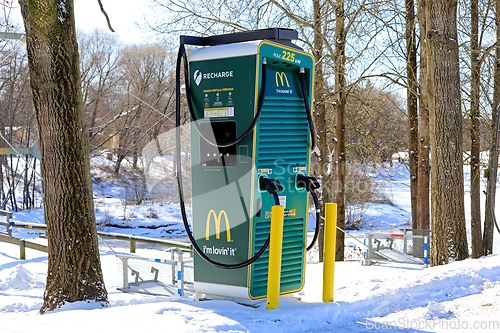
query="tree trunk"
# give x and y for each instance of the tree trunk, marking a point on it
(449, 241)
(423, 217)
(412, 106)
(120, 156)
(492, 177)
(320, 154)
(475, 168)
(33, 185)
(74, 269)
(339, 108)
(2, 170)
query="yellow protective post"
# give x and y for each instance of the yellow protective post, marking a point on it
(274, 270)
(329, 252)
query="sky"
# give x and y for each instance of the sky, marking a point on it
(123, 14)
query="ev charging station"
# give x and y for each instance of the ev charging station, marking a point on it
(250, 97)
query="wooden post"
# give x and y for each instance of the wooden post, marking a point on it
(22, 251)
(7, 215)
(9, 230)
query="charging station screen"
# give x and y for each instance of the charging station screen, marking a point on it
(222, 132)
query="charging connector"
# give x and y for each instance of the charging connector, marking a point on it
(270, 185)
(307, 182)
(310, 184)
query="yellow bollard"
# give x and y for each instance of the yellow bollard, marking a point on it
(274, 270)
(329, 252)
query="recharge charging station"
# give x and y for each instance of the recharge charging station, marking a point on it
(261, 83)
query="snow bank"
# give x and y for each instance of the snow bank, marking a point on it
(19, 278)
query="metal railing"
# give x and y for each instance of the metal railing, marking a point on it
(408, 247)
(149, 281)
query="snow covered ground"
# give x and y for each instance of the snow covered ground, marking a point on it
(464, 295)
(461, 297)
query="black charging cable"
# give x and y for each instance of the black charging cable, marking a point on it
(308, 107)
(272, 186)
(311, 184)
(260, 104)
(273, 190)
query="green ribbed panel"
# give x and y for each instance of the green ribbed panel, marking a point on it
(292, 262)
(283, 133)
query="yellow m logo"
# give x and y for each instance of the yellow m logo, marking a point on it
(281, 76)
(217, 225)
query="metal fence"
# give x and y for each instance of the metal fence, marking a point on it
(166, 277)
(406, 247)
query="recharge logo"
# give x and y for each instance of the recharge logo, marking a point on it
(217, 225)
(197, 77)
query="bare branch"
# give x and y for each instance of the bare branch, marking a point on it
(105, 15)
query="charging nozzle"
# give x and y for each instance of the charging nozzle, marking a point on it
(310, 184)
(307, 182)
(270, 185)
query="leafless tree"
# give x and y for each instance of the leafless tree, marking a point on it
(475, 174)
(476, 23)
(74, 269)
(412, 106)
(101, 75)
(147, 92)
(423, 172)
(17, 123)
(448, 218)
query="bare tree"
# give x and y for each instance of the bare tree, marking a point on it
(339, 109)
(475, 174)
(17, 124)
(74, 269)
(493, 157)
(321, 161)
(412, 107)
(101, 75)
(375, 125)
(476, 30)
(449, 239)
(207, 17)
(147, 95)
(423, 172)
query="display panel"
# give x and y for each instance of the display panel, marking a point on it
(222, 132)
